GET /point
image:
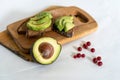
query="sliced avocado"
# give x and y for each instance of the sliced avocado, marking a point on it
(64, 23)
(68, 26)
(39, 27)
(67, 20)
(40, 21)
(63, 20)
(44, 14)
(43, 20)
(46, 50)
(41, 15)
(60, 26)
(67, 17)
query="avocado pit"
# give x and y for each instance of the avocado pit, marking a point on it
(46, 50)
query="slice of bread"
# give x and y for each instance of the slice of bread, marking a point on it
(85, 25)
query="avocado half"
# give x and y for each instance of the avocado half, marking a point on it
(45, 50)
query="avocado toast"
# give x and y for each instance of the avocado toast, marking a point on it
(84, 25)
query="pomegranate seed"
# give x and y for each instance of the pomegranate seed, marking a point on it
(83, 55)
(85, 46)
(95, 60)
(92, 50)
(99, 58)
(75, 56)
(78, 55)
(79, 49)
(100, 63)
(88, 43)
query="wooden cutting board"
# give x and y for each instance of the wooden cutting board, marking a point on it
(17, 43)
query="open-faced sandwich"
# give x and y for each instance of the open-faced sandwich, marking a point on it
(40, 37)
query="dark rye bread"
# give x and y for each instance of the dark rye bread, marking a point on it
(85, 25)
(23, 41)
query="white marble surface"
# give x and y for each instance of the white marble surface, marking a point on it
(106, 40)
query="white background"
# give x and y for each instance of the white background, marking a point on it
(106, 41)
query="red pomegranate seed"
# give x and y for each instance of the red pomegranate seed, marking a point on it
(99, 58)
(100, 63)
(88, 43)
(85, 46)
(83, 55)
(78, 55)
(92, 50)
(95, 60)
(74, 56)
(79, 49)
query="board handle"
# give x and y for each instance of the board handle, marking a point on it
(84, 16)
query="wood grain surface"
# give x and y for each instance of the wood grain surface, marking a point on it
(20, 44)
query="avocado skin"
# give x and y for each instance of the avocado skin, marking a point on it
(34, 59)
(40, 21)
(31, 54)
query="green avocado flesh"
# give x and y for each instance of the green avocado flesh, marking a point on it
(37, 27)
(64, 23)
(46, 50)
(40, 21)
